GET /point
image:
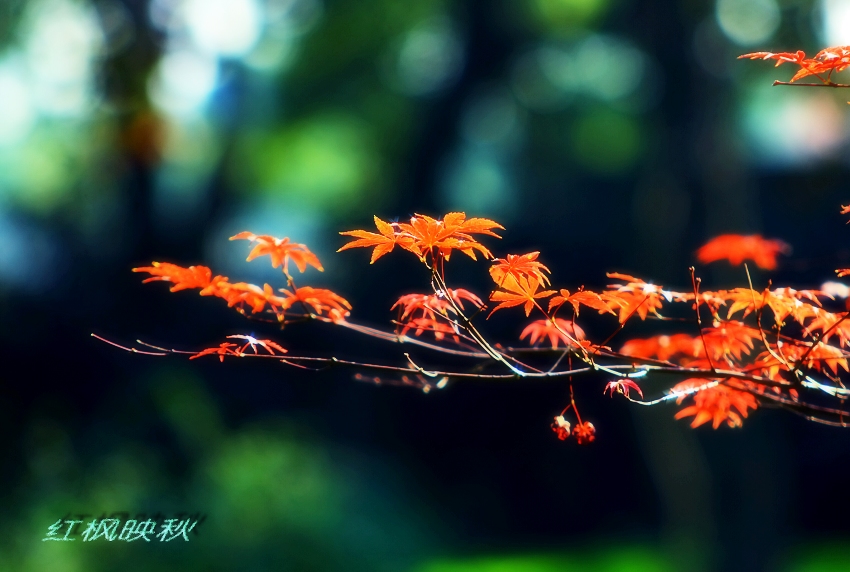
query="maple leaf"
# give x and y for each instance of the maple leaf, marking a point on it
(736, 248)
(783, 302)
(662, 347)
(557, 331)
(243, 293)
(321, 300)
(252, 342)
(519, 265)
(822, 353)
(517, 292)
(728, 338)
(430, 324)
(454, 231)
(635, 297)
(830, 324)
(622, 387)
(419, 312)
(712, 300)
(383, 242)
(713, 403)
(223, 349)
(281, 251)
(780, 57)
(430, 303)
(182, 278)
(583, 297)
(826, 61)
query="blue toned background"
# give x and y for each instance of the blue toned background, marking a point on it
(608, 134)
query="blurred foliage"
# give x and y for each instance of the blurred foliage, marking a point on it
(274, 495)
(605, 559)
(328, 162)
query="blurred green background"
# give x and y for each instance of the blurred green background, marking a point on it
(612, 135)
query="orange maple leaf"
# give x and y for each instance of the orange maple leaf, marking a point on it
(830, 324)
(517, 292)
(321, 300)
(662, 347)
(389, 236)
(583, 297)
(822, 353)
(281, 251)
(728, 339)
(635, 297)
(518, 265)
(238, 293)
(182, 278)
(713, 403)
(563, 331)
(783, 302)
(452, 232)
(736, 248)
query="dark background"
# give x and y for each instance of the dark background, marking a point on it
(611, 135)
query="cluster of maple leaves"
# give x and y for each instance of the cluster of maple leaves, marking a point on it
(822, 65)
(738, 365)
(758, 346)
(317, 301)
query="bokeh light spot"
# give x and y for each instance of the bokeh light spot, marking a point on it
(748, 22)
(224, 27)
(183, 81)
(429, 58)
(835, 22)
(790, 129)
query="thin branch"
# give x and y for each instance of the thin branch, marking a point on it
(695, 284)
(827, 84)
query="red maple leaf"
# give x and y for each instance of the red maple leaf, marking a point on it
(736, 248)
(826, 61)
(662, 347)
(223, 349)
(559, 331)
(622, 386)
(182, 278)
